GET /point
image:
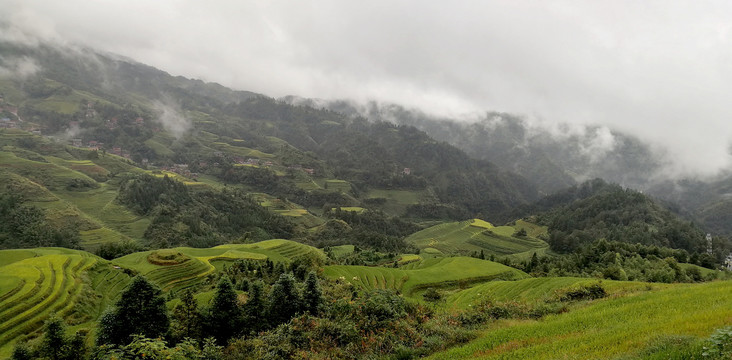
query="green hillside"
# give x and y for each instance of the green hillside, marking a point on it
(535, 290)
(417, 276)
(652, 324)
(35, 283)
(78, 286)
(179, 268)
(467, 237)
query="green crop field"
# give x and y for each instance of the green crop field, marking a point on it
(241, 151)
(417, 276)
(632, 326)
(355, 209)
(295, 212)
(470, 236)
(396, 201)
(201, 262)
(34, 284)
(50, 175)
(535, 289)
(334, 185)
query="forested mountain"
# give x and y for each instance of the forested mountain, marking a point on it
(553, 159)
(96, 123)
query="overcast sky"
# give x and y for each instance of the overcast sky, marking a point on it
(661, 70)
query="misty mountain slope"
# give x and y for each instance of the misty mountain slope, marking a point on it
(709, 202)
(92, 107)
(551, 159)
(596, 209)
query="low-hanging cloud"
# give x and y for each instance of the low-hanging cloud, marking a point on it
(19, 68)
(657, 69)
(170, 117)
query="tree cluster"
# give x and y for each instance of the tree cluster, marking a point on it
(25, 226)
(204, 218)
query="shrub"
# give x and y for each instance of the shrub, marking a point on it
(583, 292)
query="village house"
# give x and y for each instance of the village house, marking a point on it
(407, 171)
(6, 123)
(76, 142)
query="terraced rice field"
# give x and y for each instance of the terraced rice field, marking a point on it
(417, 276)
(470, 236)
(648, 324)
(295, 212)
(201, 262)
(50, 175)
(34, 284)
(336, 185)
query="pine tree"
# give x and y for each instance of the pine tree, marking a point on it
(21, 351)
(312, 296)
(54, 338)
(141, 309)
(186, 318)
(284, 300)
(255, 307)
(224, 317)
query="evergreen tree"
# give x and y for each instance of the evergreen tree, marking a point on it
(533, 263)
(186, 322)
(255, 307)
(21, 351)
(54, 338)
(244, 285)
(312, 296)
(224, 317)
(284, 300)
(141, 309)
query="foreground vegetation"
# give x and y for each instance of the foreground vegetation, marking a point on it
(265, 300)
(666, 323)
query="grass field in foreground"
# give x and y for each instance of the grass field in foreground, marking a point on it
(633, 326)
(470, 236)
(537, 290)
(416, 276)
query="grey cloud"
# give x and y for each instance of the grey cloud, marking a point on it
(18, 67)
(657, 69)
(170, 117)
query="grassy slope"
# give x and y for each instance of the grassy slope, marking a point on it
(205, 261)
(629, 326)
(35, 283)
(414, 277)
(79, 286)
(536, 289)
(476, 235)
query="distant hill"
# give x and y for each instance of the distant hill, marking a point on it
(553, 160)
(596, 209)
(477, 236)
